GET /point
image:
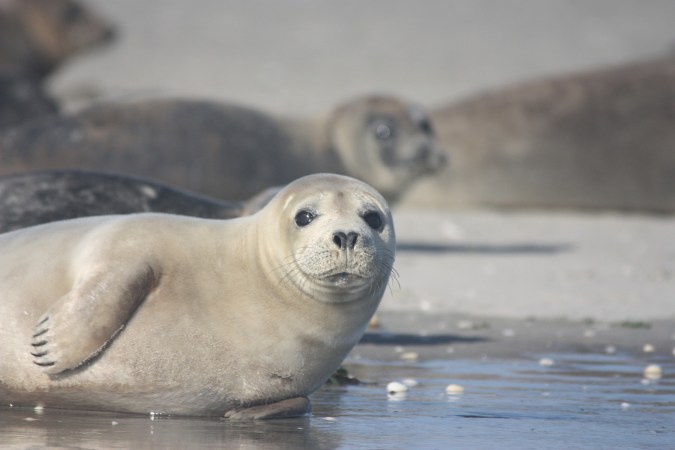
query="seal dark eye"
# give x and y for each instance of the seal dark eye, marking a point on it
(373, 219)
(425, 126)
(420, 118)
(304, 218)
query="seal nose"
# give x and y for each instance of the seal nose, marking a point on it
(433, 157)
(345, 241)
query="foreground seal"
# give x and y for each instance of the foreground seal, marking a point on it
(169, 314)
(34, 198)
(603, 139)
(232, 152)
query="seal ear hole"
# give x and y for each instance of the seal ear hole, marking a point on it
(304, 217)
(373, 219)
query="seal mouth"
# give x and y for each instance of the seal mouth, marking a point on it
(344, 279)
(427, 158)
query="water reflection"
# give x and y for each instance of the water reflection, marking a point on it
(22, 427)
(581, 401)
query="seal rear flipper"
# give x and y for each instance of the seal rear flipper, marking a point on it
(82, 322)
(292, 407)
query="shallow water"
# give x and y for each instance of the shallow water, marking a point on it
(581, 401)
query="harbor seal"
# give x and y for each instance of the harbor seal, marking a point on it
(229, 151)
(38, 36)
(34, 198)
(169, 314)
(598, 140)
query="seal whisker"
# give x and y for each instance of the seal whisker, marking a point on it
(287, 273)
(394, 276)
(286, 261)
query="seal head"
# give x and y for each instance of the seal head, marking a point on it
(395, 141)
(337, 238)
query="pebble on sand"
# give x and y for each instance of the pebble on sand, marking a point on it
(410, 382)
(409, 356)
(653, 372)
(396, 388)
(546, 362)
(454, 389)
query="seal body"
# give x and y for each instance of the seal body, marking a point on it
(229, 151)
(22, 98)
(603, 139)
(177, 315)
(34, 198)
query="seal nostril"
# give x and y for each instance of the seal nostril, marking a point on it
(351, 240)
(340, 239)
(345, 241)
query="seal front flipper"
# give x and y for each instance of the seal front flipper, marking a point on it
(82, 322)
(292, 407)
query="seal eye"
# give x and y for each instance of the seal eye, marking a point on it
(425, 126)
(421, 119)
(373, 219)
(383, 130)
(304, 218)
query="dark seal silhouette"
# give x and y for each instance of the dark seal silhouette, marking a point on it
(35, 198)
